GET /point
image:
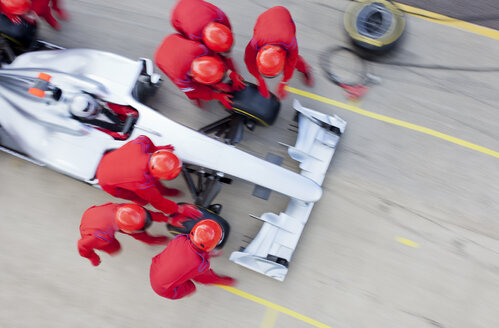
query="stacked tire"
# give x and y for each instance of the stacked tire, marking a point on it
(375, 26)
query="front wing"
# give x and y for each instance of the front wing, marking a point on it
(271, 250)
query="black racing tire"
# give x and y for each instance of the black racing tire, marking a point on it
(144, 89)
(250, 104)
(20, 36)
(375, 26)
(207, 215)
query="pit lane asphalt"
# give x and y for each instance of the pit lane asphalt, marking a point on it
(405, 235)
(481, 12)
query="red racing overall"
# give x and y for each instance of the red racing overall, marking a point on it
(174, 57)
(98, 226)
(276, 27)
(189, 18)
(172, 270)
(124, 173)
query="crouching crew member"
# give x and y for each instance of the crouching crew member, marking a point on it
(132, 171)
(201, 21)
(100, 223)
(186, 258)
(194, 68)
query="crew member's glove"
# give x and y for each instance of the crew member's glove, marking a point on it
(281, 91)
(309, 80)
(225, 99)
(226, 281)
(167, 147)
(184, 213)
(190, 211)
(223, 87)
(63, 14)
(177, 220)
(237, 81)
(264, 91)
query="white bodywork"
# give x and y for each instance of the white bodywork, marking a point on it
(279, 235)
(45, 132)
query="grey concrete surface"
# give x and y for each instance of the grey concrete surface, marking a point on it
(349, 270)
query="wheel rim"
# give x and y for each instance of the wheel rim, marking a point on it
(374, 21)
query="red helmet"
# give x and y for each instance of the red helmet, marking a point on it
(164, 164)
(270, 60)
(15, 7)
(207, 70)
(206, 235)
(131, 217)
(218, 37)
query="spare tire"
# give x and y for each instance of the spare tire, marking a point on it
(374, 25)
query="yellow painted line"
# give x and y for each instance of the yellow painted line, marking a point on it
(274, 306)
(407, 242)
(395, 121)
(256, 118)
(445, 20)
(11, 39)
(270, 318)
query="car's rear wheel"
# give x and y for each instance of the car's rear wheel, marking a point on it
(207, 215)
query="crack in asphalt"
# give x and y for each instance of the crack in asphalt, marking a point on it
(329, 7)
(431, 321)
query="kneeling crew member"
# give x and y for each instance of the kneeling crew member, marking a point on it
(100, 223)
(194, 68)
(187, 257)
(133, 171)
(201, 21)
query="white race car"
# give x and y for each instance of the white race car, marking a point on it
(40, 90)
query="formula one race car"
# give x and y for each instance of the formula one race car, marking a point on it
(48, 102)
